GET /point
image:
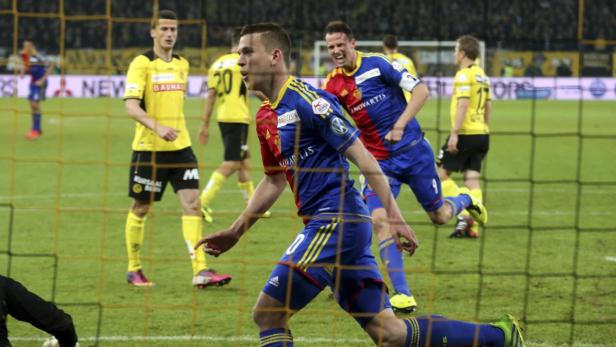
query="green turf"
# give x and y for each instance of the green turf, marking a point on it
(68, 190)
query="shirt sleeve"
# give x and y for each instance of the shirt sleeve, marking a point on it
(212, 79)
(396, 74)
(462, 85)
(325, 116)
(136, 78)
(270, 164)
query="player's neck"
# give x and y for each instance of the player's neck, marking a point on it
(277, 83)
(466, 63)
(353, 65)
(164, 54)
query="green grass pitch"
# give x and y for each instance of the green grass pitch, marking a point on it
(547, 255)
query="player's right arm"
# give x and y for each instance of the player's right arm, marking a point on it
(487, 112)
(133, 95)
(267, 192)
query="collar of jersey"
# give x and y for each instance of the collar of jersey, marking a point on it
(281, 92)
(357, 65)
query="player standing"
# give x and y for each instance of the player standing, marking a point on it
(370, 88)
(390, 48)
(162, 153)
(39, 69)
(226, 85)
(469, 139)
(302, 133)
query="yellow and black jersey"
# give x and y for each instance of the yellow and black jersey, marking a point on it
(231, 92)
(472, 83)
(407, 63)
(161, 87)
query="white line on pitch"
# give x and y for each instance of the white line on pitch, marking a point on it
(610, 258)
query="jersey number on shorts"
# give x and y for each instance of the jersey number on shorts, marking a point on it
(295, 243)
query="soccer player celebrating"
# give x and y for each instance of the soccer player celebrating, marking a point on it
(154, 97)
(370, 88)
(390, 48)
(469, 139)
(304, 141)
(225, 83)
(39, 69)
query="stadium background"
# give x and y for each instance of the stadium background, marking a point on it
(548, 255)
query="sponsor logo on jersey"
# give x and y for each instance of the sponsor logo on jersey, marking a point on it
(167, 87)
(370, 102)
(338, 126)
(397, 66)
(288, 118)
(320, 106)
(163, 77)
(296, 157)
(367, 75)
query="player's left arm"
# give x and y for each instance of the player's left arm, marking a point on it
(48, 69)
(396, 74)
(370, 168)
(462, 107)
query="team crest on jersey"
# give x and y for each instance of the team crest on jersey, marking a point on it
(344, 93)
(357, 93)
(338, 126)
(320, 106)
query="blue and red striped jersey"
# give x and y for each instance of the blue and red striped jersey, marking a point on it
(373, 97)
(303, 134)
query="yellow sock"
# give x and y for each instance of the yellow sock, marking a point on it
(134, 239)
(217, 180)
(247, 189)
(191, 229)
(449, 188)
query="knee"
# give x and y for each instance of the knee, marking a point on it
(268, 318)
(439, 217)
(140, 209)
(192, 206)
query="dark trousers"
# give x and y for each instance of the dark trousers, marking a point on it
(26, 306)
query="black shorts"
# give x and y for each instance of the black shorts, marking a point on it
(150, 172)
(235, 139)
(471, 151)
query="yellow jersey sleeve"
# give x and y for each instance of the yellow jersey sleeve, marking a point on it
(136, 78)
(473, 84)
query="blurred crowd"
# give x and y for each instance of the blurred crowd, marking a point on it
(510, 24)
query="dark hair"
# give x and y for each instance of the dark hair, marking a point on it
(390, 42)
(235, 36)
(338, 26)
(273, 36)
(162, 14)
(469, 45)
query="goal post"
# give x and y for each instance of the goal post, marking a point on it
(425, 53)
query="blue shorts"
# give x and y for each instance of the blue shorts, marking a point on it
(36, 93)
(417, 169)
(335, 254)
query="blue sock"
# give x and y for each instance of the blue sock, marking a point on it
(36, 121)
(276, 338)
(392, 258)
(459, 203)
(439, 331)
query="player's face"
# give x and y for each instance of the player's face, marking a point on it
(457, 54)
(341, 49)
(28, 46)
(255, 62)
(165, 33)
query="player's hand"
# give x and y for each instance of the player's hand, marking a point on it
(452, 144)
(39, 83)
(204, 135)
(218, 243)
(166, 133)
(394, 135)
(403, 235)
